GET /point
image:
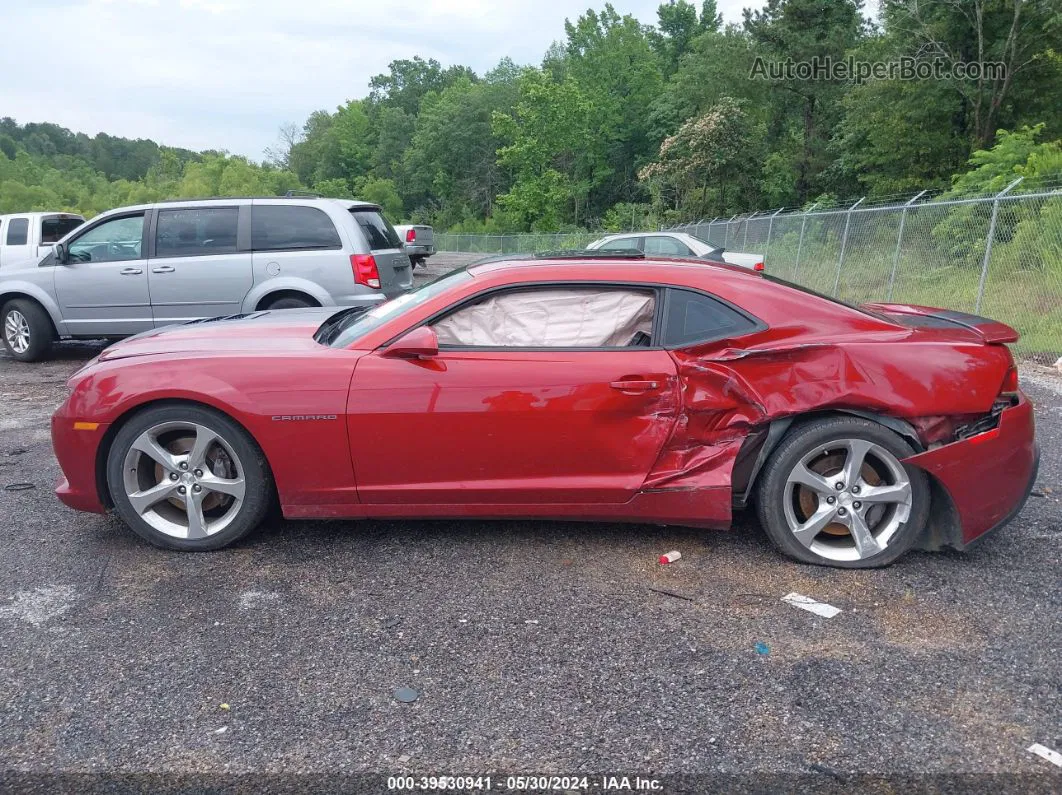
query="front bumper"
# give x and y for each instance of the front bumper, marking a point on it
(76, 446)
(987, 477)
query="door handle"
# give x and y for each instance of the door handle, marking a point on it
(131, 271)
(163, 269)
(634, 385)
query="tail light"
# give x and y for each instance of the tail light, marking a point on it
(758, 267)
(365, 270)
(411, 235)
(1010, 381)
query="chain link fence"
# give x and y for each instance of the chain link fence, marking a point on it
(999, 255)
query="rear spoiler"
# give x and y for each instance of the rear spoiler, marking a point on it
(991, 331)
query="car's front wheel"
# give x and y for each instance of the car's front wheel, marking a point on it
(185, 477)
(835, 493)
(27, 331)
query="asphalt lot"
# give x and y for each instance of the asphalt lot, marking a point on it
(534, 647)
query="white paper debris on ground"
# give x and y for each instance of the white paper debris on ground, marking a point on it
(252, 599)
(809, 604)
(39, 605)
(1052, 756)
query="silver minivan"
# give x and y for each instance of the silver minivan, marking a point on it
(136, 268)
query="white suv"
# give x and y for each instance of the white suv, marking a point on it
(137, 268)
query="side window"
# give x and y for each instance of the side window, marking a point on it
(666, 246)
(620, 243)
(18, 231)
(112, 241)
(55, 229)
(553, 317)
(693, 317)
(196, 231)
(278, 227)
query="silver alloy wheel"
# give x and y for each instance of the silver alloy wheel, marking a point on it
(845, 500)
(17, 331)
(184, 480)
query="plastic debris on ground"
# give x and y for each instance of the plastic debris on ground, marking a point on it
(407, 695)
(809, 604)
(1051, 755)
(670, 557)
(763, 648)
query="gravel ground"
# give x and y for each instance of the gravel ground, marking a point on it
(534, 647)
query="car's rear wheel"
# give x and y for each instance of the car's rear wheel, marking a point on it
(185, 477)
(835, 493)
(290, 302)
(27, 332)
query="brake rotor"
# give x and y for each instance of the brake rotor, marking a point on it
(829, 466)
(218, 462)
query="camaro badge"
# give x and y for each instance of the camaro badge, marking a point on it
(301, 417)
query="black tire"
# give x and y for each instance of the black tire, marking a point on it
(290, 302)
(39, 325)
(417, 262)
(809, 439)
(249, 462)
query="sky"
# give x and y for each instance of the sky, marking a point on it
(225, 74)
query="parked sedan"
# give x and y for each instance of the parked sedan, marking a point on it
(594, 387)
(676, 244)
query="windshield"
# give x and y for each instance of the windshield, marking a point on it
(346, 328)
(792, 285)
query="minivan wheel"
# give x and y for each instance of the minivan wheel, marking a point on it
(290, 303)
(26, 329)
(835, 493)
(188, 478)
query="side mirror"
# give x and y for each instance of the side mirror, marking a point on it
(420, 343)
(60, 254)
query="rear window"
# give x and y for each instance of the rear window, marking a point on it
(278, 227)
(693, 317)
(377, 229)
(18, 231)
(55, 229)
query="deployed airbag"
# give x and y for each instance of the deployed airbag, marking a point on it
(554, 317)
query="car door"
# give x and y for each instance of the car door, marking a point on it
(196, 268)
(17, 249)
(102, 289)
(536, 413)
(632, 242)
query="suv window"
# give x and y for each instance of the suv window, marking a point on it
(55, 229)
(553, 317)
(18, 231)
(620, 243)
(112, 241)
(278, 227)
(377, 229)
(668, 246)
(196, 231)
(693, 317)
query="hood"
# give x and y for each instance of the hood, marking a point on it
(268, 331)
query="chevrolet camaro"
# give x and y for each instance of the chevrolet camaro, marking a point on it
(597, 386)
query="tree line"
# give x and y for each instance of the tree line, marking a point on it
(624, 123)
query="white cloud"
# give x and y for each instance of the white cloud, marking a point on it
(225, 74)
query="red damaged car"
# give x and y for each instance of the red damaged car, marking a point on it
(596, 386)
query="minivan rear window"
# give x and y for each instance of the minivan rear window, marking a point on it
(377, 229)
(280, 227)
(55, 229)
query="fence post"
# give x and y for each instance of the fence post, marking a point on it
(988, 241)
(800, 243)
(844, 243)
(899, 241)
(770, 228)
(729, 223)
(745, 242)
